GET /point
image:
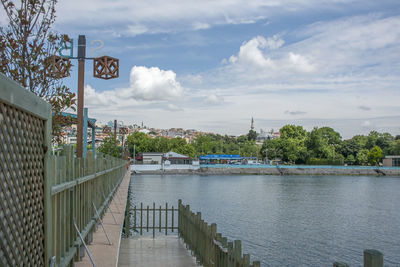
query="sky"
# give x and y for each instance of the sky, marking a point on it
(212, 65)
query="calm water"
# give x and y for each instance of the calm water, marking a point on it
(290, 220)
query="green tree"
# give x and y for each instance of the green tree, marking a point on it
(176, 144)
(289, 147)
(252, 135)
(353, 145)
(395, 147)
(139, 142)
(375, 155)
(362, 156)
(324, 143)
(350, 159)
(293, 131)
(110, 147)
(25, 44)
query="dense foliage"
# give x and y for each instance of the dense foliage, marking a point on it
(26, 43)
(110, 147)
(320, 146)
(203, 144)
(325, 146)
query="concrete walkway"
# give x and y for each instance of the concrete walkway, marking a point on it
(163, 251)
(106, 255)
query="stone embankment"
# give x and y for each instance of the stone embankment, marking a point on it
(281, 170)
(301, 171)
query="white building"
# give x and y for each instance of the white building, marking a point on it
(152, 157)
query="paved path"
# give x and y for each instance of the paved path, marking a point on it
(163, 251)
(106, 255)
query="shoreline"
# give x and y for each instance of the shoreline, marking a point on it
(281, 170)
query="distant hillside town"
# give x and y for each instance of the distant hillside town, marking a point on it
(103, 130)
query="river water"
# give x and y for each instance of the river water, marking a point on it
(290, 220)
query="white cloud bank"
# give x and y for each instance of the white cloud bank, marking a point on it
(152, 84)
(160, 16)
(146, 85)
(214, 99)
(341, 73)
(258, 53)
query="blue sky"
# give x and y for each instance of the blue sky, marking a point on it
(212, 65)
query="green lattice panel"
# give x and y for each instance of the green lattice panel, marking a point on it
(22, 153)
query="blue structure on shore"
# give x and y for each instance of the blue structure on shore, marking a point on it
(224, 159)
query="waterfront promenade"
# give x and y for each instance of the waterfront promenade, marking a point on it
(102, 252)
(162, 251)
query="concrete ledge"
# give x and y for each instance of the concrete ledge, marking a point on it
(162, 251)
(282, 170)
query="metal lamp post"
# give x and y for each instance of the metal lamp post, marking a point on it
(104, 67)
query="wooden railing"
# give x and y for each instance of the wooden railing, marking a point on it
(42, 196)
(78, 186)
(210, 247)
(372, 258)
(150, 219)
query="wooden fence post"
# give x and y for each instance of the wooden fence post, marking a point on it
(213, 247)
(373, 258)
(238, 253)
(154, 219)
(340, 264)
(230, 254)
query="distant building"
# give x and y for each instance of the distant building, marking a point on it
(264, 135)
(391, 161)
(221, 159)
(150, 157)
(175, 158)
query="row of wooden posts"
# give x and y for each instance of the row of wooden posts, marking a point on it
(79, 186)
(209, 247)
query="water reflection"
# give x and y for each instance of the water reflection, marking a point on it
(290, 220)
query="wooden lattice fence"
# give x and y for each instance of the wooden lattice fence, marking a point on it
(25, 122)
(41, 195)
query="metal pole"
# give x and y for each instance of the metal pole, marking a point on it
(94, 141)
(85, 123)
(115, 129)
(84, 244)
(81, 84)
(101, 223)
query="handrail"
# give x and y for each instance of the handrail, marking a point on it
(209, 247)
(67, 185)
(78, 184)
(147, 224)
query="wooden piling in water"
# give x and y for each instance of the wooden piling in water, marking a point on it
(373, 258)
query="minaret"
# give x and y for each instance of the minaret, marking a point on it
(252, 124)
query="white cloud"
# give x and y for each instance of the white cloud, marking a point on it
(300, 63)
(366, 124)
(152, 84)
(250, 53)
(173, 107)
(93, 98)
(295, 112)
(201, 26)
(327, 74)
(137, 29)
(214, 99)
(148, 86)
(192, 79)
(274, 42)
(155, 16)
(258, 52)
